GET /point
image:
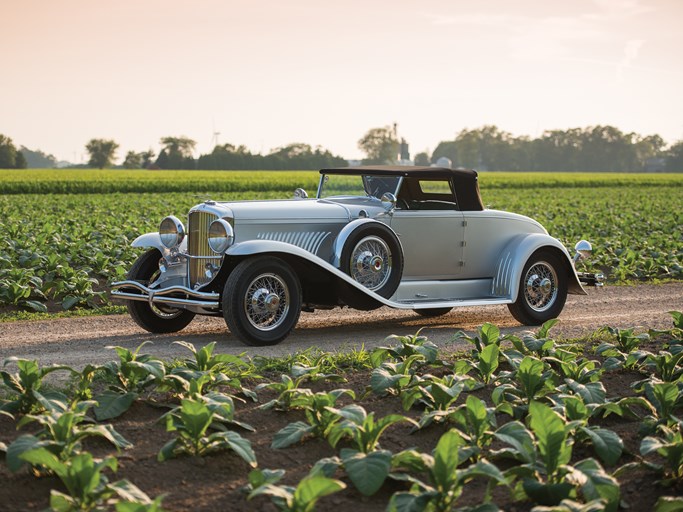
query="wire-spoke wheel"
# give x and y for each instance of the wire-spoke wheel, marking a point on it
(542, 289)
(371, 262)
(372, 256)
(262, 300)
(157, 318)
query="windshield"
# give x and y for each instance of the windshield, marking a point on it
(337, 185)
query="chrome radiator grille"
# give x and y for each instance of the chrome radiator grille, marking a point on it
(198, 248)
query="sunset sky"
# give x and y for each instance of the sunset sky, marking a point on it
(268, 73)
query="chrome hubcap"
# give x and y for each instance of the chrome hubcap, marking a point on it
(540, 286)
(371, 262)
(266, 302)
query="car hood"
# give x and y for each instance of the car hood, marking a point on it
(288, 209)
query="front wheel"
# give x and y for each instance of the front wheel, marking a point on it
(262, 301)
(542, 289)
(158, 318)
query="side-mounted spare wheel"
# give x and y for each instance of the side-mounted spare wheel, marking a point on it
(158, 318)
(542, 289)
(372, 256)
(262, 300)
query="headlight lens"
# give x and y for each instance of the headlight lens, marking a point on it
(221, 236)
(172, 232)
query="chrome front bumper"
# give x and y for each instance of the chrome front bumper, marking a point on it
(172, 296)
(591, 279)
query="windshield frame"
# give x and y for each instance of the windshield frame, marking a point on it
(366, 180)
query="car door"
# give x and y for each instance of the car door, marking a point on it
(430, 228)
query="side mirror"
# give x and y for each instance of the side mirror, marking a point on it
(300, 193)
(388, 201)
(583, 250)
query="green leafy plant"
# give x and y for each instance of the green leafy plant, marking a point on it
(484, 363)
(544, 453)
(407, 346)
(23, 384)
(366, 464)
(391, 378)
(669, 445)
(320, 416)
(301, 498)
(445, 481)
(191, 421)
(87, 487)
(623, 351)
(133, 373)
(64, 427)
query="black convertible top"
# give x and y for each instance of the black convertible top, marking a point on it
(464, 181)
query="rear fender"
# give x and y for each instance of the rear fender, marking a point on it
(515, 255)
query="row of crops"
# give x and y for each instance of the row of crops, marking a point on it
(66, 235)
(528, 422)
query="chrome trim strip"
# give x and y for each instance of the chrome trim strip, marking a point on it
(309, 241)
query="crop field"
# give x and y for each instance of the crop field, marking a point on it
(526, 423)
(66, 234)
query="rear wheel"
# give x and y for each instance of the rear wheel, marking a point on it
(157, 318)
(432, 312)
(262, 300)
(542, 289)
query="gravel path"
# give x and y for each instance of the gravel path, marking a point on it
(78, 341)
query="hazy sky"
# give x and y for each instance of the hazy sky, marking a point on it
(267, 73)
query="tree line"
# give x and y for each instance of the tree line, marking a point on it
(593, 148)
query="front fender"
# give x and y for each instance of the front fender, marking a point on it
(515, 255)
(153, 240)
(258, 247)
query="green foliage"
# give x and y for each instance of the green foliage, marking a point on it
(445, 481)
(133, 373)
(191, 421)
(301, 498)
(320, 416)
(102, 152)
(87, 487)
(669, 445)
(63, 427)
(24, 384)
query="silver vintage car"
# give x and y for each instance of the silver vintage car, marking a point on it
(414, 238)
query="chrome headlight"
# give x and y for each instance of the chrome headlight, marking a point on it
(171, 232)
(221, 236)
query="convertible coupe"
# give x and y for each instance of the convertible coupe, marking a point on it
(414, 238)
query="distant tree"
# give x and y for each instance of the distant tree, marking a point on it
(422, 159)
(37, 159)
(102, 152)
(140, 160)
(133, 160)
(296, 155)
(380, 146)
(178, 152)
(674, 158)
(10, 158)
(447, 149)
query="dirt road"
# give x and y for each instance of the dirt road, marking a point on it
(78, 341)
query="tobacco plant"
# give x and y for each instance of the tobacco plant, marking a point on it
(445, 480)
(64, 427)
(407, 346)
(320, 416)
(27, 380)
(623, 351)
(365, 463)
(133, 373)
(544, 453)
(87, 487)
(301, 498)
(669, 445)
(191, 421)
